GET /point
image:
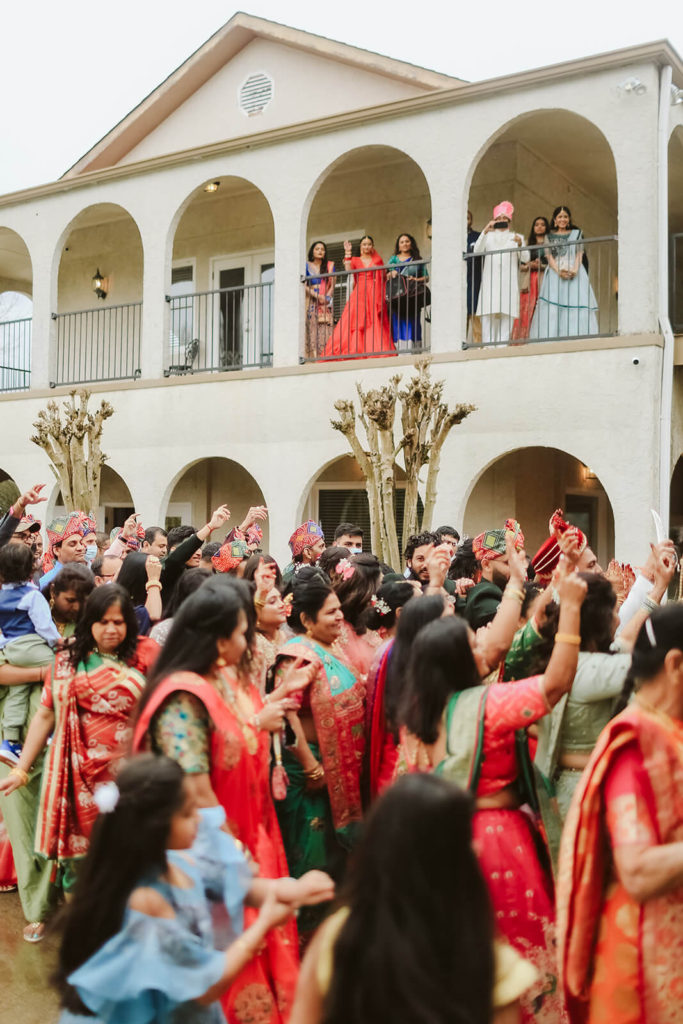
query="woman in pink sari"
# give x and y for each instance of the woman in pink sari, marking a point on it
(363, 329)
(475, 736)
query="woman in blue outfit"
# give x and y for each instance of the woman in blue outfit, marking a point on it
(161, 886)
(566, 307)
(406, 305)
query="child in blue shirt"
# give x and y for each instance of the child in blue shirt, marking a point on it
(28, 638)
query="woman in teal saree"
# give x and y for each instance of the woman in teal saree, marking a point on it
(325, 743)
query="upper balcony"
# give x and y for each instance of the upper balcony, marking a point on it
(221, 285)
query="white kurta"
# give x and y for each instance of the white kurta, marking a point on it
(499, 292)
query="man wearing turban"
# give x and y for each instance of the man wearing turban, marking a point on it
(490, 551)
(498, 304)
(65, 536)
(307, 544)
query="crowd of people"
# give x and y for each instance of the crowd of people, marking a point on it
(384, 310)
(339, 790)
(519, 290)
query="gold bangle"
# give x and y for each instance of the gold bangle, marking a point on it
(519, 595)
(259, 601)
(150, 584)
(20, 774)
(314, 774)
(568, 638)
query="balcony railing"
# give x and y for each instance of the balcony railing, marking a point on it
(569, 289)
(98, 344)
(223, 329)
(15, 355)
(373, 311)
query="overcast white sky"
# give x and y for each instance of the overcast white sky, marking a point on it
(70, 70)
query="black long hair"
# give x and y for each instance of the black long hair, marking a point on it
(126, 845)
(414, 248)
(559, 209)
(395, 595)
(323, 264)
(189, 581)
(133, 576)
(666, 627)
(533, 240)
(419, 911)
(441, 663)
(210, 614)
(414, 616)
(98, 604)
(310, 590)
(355, 593)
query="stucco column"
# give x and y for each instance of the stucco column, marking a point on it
(44, 328)
(155, 317)
(288, 302)
(448, 270)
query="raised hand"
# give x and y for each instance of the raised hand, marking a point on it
(219, 517)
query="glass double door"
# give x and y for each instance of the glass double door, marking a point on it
(243, 310)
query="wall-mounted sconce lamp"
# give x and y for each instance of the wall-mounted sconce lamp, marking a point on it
(633, 85)
(212, 186)
(98, 285)
(676, 95)
(428, 228)
(588, 474)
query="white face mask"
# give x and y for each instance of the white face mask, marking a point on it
(90, 553)
(356, 551)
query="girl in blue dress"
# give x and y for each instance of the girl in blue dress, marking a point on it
(161, 887)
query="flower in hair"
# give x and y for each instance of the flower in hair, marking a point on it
(345, 569)
(380, 605)
(107, 797)
(288, 601)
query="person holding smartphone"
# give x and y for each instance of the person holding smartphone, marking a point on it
(498, 304)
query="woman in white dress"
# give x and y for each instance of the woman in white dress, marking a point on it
(566, 307)
(498, 304)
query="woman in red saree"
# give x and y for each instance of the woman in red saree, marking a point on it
(475, 736)
(196, 711)
(363, 329)
(620, 887)
(8, 874)
(86, 705)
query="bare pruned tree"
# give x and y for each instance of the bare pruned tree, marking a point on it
(426, 422)
(71, 437)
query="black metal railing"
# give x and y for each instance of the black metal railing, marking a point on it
(562, 289)
(15, 355)
(223, 329)
(98, 344)
(371, 311)
(676, 283)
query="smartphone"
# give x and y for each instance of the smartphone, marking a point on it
(500, 225)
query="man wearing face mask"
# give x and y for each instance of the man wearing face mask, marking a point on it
(348, 535)
(66, 536)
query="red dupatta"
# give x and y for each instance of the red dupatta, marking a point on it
(92, 706)
(239, 759)
(585, 868)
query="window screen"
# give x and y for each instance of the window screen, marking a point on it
(352, 506)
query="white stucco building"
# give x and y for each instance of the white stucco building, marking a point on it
(308, 138)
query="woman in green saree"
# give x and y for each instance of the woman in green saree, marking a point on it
(325, 743)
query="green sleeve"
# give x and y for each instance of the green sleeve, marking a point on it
(525, 643)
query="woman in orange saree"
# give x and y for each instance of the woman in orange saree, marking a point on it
(364, 327)
(620, 887)
(86, 704)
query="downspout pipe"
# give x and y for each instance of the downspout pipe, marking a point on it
(667, 383)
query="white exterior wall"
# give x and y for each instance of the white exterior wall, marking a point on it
(275, 424)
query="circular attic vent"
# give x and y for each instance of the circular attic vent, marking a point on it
(255, 94)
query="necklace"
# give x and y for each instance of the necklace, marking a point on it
(242, 715)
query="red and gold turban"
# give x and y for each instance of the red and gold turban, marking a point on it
(305, 536)
(546, 558)
(232, 553)
(61, 528)
(491, 544)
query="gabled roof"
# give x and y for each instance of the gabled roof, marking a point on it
(214, 54)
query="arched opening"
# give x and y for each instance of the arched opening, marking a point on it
(538, 162)
(529, 484)
(676, 229)
(16, 312)
(207, 483)
(99, 307)
(380, 191)
(338, 494)
(676, 504)
(116, 502)
(221, 288)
